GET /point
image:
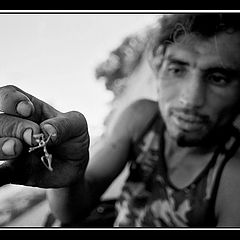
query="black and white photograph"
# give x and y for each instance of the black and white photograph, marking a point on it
(119, 119)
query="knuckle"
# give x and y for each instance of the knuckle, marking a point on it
(8, 88)
(78, 118)
(11, 87)
(8, 98)
(83, 123)
(7, 125)
(5, 91)
(81, 117)
(86, 140)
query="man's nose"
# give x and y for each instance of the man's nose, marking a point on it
(193, 94)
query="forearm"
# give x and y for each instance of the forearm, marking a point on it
(107, 160)
(72, 203)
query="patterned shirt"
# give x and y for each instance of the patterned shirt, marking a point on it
(149, 199)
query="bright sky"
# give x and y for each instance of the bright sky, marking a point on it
(53, 56)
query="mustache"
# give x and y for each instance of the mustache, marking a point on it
(190, 115)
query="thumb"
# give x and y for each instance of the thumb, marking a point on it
(65, 127)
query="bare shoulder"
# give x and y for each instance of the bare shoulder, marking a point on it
(144, 104)
(142, 109)
(110, 155)
(228, 196)
(132, 119)
(231, 171)
(140, 113)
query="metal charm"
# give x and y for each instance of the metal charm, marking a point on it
(42, 143)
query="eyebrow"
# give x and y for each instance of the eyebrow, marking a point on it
(175, 60)
(221, 69)
(224, 70)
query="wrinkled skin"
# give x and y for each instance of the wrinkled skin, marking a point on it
(69, 147)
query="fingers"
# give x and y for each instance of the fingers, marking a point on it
(61, 127)
(15, 101)
(23, 129)
(65, 127)
(10, 148)
(42, 110)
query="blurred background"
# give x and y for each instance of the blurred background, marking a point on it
(92, 63)
(53, 56)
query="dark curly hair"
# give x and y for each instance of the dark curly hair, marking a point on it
(206, 25)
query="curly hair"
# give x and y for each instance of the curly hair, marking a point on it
(206, 25)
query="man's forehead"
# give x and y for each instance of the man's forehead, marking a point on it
(222, 49)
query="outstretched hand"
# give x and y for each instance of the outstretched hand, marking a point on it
(25, 116)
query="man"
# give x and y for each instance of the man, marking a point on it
(183, 152)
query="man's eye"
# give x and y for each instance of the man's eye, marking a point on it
(219, 80)
(176, 70)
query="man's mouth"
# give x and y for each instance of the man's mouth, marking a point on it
(187, 121)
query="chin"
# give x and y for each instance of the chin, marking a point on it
(190, 140)
(185, 142)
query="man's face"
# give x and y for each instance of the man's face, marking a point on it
(199, 86)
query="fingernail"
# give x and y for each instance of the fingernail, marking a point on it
(24, 108)
(8, 147)
(27, 136)
(50, 130)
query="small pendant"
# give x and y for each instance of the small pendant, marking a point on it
(42, 143)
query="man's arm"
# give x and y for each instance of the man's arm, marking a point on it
(108, 159)
(106, 162)
(227, 206)
(76, 189)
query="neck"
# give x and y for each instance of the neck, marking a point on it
(172, 147)
(187, 161)
(207, 145)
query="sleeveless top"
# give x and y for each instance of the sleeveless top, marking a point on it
(149, 199)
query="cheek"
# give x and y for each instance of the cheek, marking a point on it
(222, 108)
(167, 93)
(167, 89)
